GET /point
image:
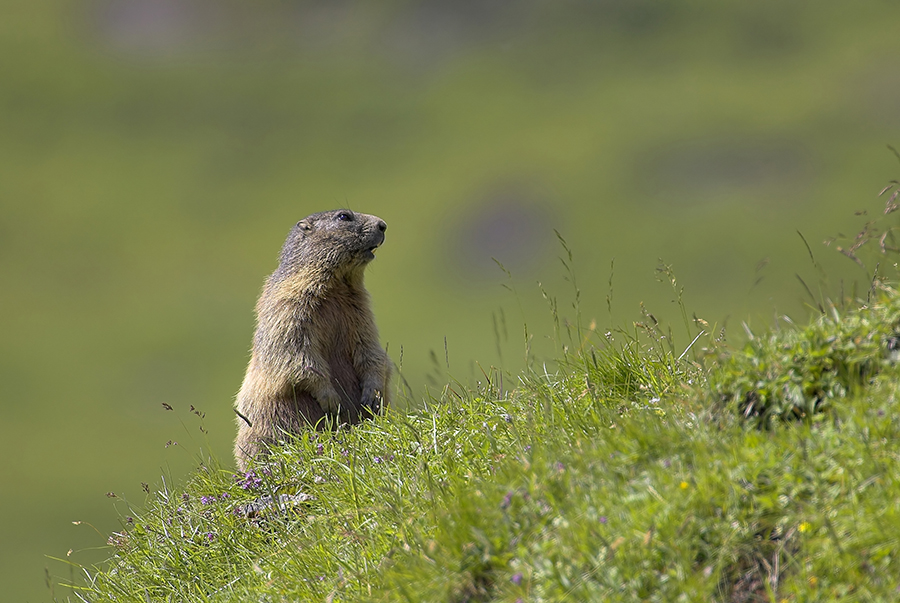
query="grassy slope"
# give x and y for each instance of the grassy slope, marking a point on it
(628, 473)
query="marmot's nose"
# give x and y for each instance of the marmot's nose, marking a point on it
(382, 226)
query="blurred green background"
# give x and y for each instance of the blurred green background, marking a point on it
(154, 154)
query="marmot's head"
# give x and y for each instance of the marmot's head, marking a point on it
(337, 241)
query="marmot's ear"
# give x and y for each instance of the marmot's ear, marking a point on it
(304, 226)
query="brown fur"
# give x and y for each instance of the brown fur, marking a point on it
(316, 353)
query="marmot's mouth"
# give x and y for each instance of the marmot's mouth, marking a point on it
(369, 253)
(376, 240)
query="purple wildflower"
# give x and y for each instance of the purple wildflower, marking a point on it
(250, 481)
(603, 519)
(377, 460)
(516, 578)
(207, 500)
(320, 448)
(507, 500)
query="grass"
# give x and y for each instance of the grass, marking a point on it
(800, 373)
(632, 471)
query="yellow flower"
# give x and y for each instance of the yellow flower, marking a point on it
(683, 485)
(804, 526)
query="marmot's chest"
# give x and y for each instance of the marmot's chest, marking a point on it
(342, 324)
(341, 321)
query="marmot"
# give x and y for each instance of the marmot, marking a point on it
(315, 351)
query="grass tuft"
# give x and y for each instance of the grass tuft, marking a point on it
(802, 373)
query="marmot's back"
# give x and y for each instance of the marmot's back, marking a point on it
(316, 352)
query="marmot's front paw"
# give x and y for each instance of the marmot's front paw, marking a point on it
(372, 399)
(330, 402)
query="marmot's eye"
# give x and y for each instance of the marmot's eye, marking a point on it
(344, 216)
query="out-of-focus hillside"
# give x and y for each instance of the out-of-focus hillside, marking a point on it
(154, 153)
